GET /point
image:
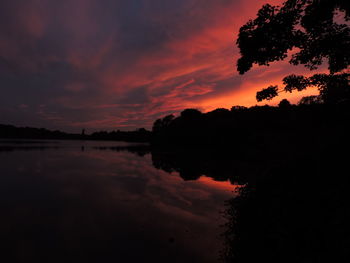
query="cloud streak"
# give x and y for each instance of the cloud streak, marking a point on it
(122, 64)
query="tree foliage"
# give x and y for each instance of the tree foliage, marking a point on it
(267, 94)
(333, 88)
(284, 104)
(311, 28)
(163, 123)
(310, 100)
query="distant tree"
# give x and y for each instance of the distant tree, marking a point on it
(238, 108)
(310, 26)
(220, 113)
(190, 113)
(310, 100)
(161, 124)
(284, 104)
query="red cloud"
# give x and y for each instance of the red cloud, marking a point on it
(112, 65)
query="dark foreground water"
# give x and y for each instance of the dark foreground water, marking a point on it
(88, 202)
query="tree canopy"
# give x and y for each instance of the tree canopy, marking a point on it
(318, 30)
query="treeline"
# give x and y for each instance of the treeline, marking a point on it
(241, 127)
(12, 132)
(254, 127)
(140, 135)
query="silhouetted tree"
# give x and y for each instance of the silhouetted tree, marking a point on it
(312, 28)
(238, 108)
(284, 104)
(220, 113)
(160, 124)
(260, 125)
(267, 94)
(190, 114)
(309, 100)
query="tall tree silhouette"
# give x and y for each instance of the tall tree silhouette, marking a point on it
(318, 29)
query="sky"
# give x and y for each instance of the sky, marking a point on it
(121, 64)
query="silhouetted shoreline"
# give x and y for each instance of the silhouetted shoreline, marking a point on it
(290, 162)
(12, 132)
(240, 127)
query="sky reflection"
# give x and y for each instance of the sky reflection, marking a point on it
(106, 205)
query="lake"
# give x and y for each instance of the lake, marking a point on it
(65, 201)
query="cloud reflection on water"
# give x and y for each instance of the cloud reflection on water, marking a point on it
(101, 205)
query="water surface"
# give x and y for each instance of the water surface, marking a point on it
(64, 201)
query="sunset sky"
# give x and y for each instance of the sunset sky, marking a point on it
(121, 64)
